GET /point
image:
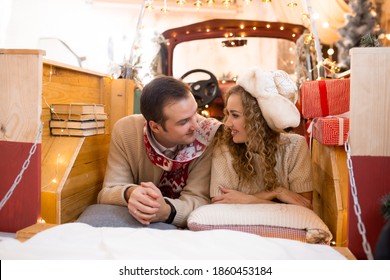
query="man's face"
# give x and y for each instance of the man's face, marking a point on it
(180, 125)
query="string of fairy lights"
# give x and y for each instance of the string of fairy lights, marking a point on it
(198, 4)
(303, 7)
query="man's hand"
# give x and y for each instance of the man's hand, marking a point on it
(146, 204)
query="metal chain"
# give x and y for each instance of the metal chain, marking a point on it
(356, 206)
(24, 167)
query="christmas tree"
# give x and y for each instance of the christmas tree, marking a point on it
(361, 21)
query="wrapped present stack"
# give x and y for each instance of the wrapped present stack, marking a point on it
(325, 108)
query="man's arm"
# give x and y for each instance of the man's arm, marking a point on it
(119, 176)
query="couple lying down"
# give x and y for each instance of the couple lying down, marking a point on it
(169, 161)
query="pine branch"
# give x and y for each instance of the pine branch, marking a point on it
(370, 40)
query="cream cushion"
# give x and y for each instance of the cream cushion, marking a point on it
(271, 220)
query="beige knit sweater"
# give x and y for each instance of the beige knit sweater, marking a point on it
(128, 165)
(293, 167)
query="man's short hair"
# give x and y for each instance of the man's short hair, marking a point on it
(158, 93)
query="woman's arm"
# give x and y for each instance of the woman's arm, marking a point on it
(287, 196)
(284, 195)
(230, 196)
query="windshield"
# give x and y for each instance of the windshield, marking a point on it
(227, 63)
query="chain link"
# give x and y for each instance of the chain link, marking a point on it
(24, 167)
(356, 206)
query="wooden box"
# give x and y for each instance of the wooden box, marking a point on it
(20, 138)
(122, 99)
(330, 196)
(72, 167)
(65, 173)
(370, 144)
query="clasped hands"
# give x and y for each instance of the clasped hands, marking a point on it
(147, 205)
(230, 196)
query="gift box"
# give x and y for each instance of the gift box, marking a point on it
(331, 131)
(324, 97)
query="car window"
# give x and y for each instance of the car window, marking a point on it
(229, 62)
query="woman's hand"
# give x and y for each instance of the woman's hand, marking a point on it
(284, 195)
(230, 196)
(290, 197)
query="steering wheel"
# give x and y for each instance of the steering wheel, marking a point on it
(204, 91)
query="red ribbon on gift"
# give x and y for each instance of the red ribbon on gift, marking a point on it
(323, 98)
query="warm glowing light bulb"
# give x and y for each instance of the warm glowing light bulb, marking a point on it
(226, 3)
(330, 51)
(198, 4)
(325, 24)
(292, 4)
(205, 113)
(149, 7)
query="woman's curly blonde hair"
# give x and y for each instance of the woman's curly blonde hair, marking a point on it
(262, 140)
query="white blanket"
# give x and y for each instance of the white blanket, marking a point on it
(80, 241)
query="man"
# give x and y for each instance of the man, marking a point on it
(158, 167)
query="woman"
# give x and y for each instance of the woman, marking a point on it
(254, 160)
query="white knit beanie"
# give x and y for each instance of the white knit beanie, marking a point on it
(276, 94)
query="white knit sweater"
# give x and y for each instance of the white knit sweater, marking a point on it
(293, 167)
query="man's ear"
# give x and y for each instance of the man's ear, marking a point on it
(154, 126)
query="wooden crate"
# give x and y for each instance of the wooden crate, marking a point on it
(67, 173)
(370, 145)
(122, 99)
(20, 110)
(72, 167)
(72, 175)
(330, 196)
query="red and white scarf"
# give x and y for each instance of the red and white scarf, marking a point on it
(175, 174)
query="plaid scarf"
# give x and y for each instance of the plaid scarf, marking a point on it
(174, 177)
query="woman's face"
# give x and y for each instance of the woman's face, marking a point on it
(235, 119)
